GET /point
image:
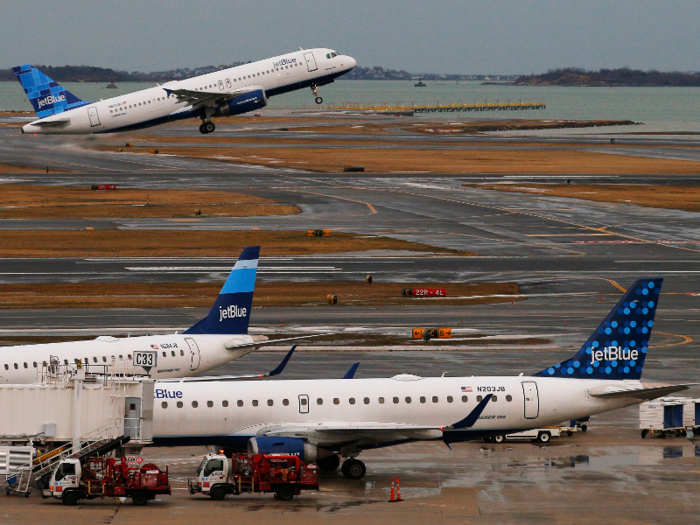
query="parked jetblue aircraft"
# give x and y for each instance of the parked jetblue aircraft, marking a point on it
(224, 93)
(220, 337)
(322, 419)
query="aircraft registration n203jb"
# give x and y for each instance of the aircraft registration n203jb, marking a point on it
(322, 420)
(232, 91)
(220, 337)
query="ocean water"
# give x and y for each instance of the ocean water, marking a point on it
(676, 108)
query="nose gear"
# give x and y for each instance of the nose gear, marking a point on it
(318, 99)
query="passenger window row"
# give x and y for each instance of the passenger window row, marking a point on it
(94, 360)
(336, 401)
(210, 86)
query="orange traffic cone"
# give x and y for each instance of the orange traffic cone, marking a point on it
(392, 499)
(398, 490)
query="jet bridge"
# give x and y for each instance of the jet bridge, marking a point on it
(72, 402)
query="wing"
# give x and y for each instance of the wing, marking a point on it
(276, 371)
(206, 98)
(343, 432)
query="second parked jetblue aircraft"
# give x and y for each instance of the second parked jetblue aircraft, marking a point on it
(224, 93)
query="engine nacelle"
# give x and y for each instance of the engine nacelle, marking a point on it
(244, 103)
(307, 452)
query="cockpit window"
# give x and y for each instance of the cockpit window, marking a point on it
(332, 54)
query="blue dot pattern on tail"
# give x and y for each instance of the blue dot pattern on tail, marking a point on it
(618, 347)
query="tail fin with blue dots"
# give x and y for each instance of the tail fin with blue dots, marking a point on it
(618, 347)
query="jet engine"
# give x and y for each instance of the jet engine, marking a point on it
(243, 103)
(307, 452)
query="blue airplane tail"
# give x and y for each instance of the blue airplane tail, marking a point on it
(618, 347)
(231, 311)
(47, 97)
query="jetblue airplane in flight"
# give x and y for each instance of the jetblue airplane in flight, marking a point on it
(224, 93)
(321, 420)
(220, 337)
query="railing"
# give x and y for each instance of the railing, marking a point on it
(427, 107)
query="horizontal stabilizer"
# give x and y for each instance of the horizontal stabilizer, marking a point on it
(644, 393)
(57, 123)
(233, 345)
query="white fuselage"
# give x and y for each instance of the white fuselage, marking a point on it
(216, 413)
(178, 355)
(154, 106)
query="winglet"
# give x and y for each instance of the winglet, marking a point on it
(473, 416)
(281, 366)
(351, 373)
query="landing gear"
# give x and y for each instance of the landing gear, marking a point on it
(354, 469)
(207, 127)
(329, 464)
(499, 439)
(318, 99)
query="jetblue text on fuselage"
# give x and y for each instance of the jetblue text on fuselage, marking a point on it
(614, 353)
(284, 62)
(164, 393)
(51, 100)
(231, 312)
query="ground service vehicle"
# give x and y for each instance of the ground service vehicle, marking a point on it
(96, 477)
(284, 475)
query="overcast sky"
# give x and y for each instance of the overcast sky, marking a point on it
(439, 36)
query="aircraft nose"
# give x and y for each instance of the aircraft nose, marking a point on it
(351, 62)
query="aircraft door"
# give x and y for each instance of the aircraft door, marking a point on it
(132, 417)
(303, 404)
(310, 61)
(532, 399)
(195, 356)
(93, 116)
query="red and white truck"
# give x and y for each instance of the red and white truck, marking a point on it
(286, 476)
(75, 480)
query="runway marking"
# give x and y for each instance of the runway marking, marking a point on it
(371, 208)
(531, 214)
(686, 340)
(568, 234)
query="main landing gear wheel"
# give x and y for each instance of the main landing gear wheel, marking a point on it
(329, 464)
(499, 439)
(354, 469)
(319, 100)
(207, 127)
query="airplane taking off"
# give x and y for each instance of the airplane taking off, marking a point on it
(220, 337)
(321, 420)
(229, 92)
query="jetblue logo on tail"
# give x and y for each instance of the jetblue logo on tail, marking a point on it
(231, 312)
(618, 347)
(614, 353)
(50, 100)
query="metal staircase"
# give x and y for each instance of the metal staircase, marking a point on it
(94, 444)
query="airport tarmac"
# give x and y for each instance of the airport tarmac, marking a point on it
(606, 475)
(566, 255)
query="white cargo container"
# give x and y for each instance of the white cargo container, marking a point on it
(691, 415)
(664, 416)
